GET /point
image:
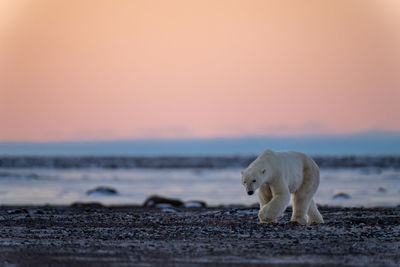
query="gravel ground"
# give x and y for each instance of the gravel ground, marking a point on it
(131, 235)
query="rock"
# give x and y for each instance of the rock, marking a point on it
(18, 211)
(168, 210)
(341, 196)
(382, 190)
(39, 212)
(156, 201)
(164, 205)
(195, 204)
(102, 190)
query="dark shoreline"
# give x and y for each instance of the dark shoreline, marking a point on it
(179, 162)
(91, 234)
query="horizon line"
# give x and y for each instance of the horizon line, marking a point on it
(371, 133)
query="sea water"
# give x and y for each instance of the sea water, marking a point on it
(37, 184)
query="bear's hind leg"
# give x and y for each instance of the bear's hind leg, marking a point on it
(303, 197)
(313, 215)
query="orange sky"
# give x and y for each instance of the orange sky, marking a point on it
(93, 70)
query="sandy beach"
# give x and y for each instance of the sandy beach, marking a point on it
(92, 234)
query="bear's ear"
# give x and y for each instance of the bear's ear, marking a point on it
(241, 172)
(263, 171)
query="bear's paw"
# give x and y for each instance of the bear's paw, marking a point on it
(299, 220)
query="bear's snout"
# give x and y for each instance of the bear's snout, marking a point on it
(250, 193)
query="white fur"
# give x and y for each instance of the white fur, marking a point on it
(279, 174)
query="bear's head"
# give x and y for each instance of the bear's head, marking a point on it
(252, 180)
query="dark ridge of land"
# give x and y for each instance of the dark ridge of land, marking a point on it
(94, 235)
(209, 162)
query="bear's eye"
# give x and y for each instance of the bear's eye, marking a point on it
(254, 181)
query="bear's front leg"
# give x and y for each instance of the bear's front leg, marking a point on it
(270, 212)
(264, 195)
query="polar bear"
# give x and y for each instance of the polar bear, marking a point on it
(279, 174)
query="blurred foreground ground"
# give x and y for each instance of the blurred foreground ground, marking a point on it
(131, 235)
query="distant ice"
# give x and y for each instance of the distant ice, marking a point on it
(215, 186)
